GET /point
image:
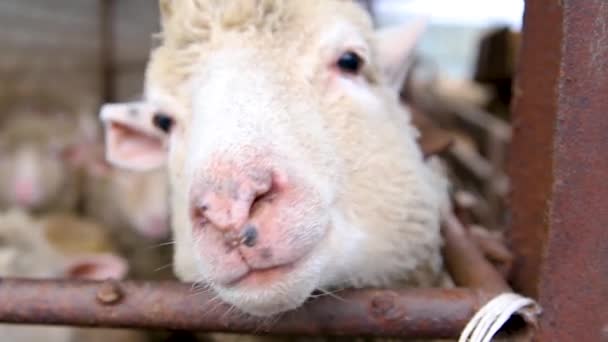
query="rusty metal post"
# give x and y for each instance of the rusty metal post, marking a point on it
(559, 167)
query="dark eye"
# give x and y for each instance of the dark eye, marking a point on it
(350, 62)
(163, 121)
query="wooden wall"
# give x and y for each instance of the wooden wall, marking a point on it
(59, 45)
(134, 21)
(51, 44)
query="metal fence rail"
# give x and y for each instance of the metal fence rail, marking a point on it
(177, 306)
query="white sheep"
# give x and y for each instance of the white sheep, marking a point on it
(293, 165)
(33, 248)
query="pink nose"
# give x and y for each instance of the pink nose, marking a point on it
(24, 192)
(227, 204)
(156, 227)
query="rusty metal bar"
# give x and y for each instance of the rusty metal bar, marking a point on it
(420, 313)
(559, 167)
(466, 263)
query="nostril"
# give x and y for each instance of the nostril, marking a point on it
(199, 213)
(264, 198)
(227, 203)
(269, 185)
(249, 236)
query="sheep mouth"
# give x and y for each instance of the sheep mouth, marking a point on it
(256, 278)
(262, 277)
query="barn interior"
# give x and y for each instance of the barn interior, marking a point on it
(64, 59)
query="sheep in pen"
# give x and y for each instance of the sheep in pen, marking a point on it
(294, 169)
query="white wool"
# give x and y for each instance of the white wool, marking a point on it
(255, 78)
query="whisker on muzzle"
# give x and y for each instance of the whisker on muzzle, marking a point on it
(332, 294)
(162, 244)
(163, 267)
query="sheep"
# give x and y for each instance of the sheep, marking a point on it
(134, 208)
(26, 252)
(38, 143)
(133, 205)
(293, 165)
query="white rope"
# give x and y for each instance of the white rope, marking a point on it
(492, 316)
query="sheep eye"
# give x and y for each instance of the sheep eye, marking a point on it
(350, 62)
(163, 121)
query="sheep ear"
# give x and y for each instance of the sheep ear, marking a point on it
(97, 267)
(395, 47)
(131, 141)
